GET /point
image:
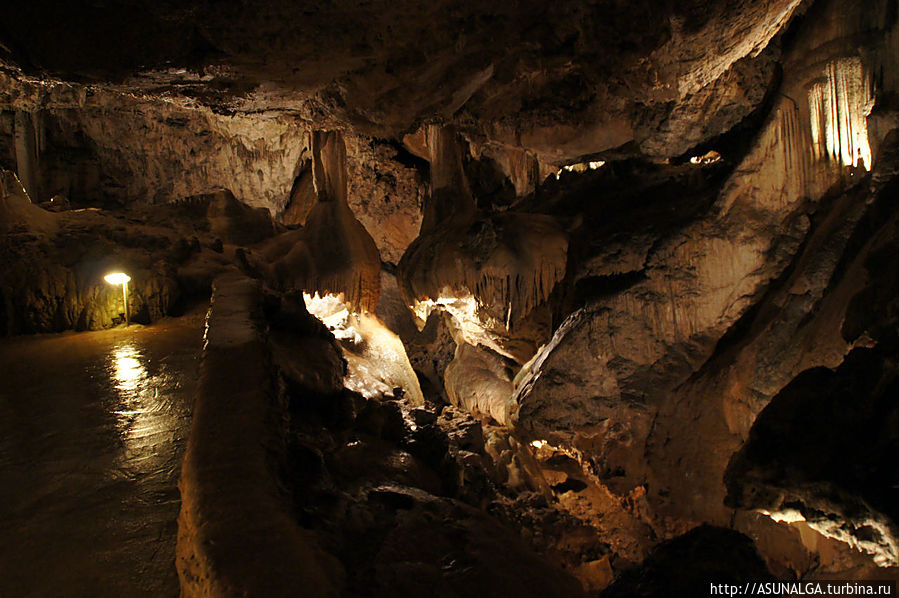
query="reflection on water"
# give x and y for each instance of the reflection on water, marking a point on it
(127, 370)
(92, 430)
(138, 411)
(146, 415)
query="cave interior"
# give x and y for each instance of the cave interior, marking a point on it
(534, 299)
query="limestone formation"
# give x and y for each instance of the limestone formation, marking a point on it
(17, 212)
(478, 381)
(377, 365)
(551, 296)
(332, 253)
(489, 271)
(345, 257)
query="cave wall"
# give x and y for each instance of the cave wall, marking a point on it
(103, 147)
(657, 385)
(637, 314)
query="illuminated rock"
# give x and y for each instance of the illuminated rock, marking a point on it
(838, 108)
(489, 271)
(332, 253)
(345, 258)
(696, 285)
(377, 365)
(17, 211)
(478, 381)
(385, 191)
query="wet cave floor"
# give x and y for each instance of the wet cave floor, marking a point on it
(93, 427)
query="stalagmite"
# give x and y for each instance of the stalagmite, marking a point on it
(345, 256)
(507, 263)
(333, 253)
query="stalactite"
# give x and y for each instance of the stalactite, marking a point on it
(451, 198)
(344, 256)
(507, 263)
(28, 138)
(838, 107)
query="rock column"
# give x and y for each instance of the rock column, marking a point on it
(27, 141)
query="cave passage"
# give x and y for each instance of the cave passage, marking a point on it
(524, 299)
(92, 430)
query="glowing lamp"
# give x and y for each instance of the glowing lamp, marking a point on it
(122, 279)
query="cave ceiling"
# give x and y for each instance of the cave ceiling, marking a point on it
(563, 79)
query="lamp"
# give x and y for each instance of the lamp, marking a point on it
(122, 279)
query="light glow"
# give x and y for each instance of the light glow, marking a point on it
(334, 314)
(147, 417)
(122, 279)
(784, 516)
(117, 278)
(709, 157)
(473, 324)
(377, 363)
(463, 307)
(127, 369)
(581, 167)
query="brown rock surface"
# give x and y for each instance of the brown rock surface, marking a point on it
(235, 537)
(562, 80)
(345, 257)
(478, 381)
(54, 264)
(650, 246)
(332, 252)
(659, 381)
(490, 272)
(234, 222)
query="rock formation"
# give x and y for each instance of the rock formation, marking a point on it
(489, 271)
(570, 287)
(345, 256)
(332, 253)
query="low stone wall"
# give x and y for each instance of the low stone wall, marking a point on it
(236, 536)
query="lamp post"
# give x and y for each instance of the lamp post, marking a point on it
(122, 279)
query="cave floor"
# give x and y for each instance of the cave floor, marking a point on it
(92, 431)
